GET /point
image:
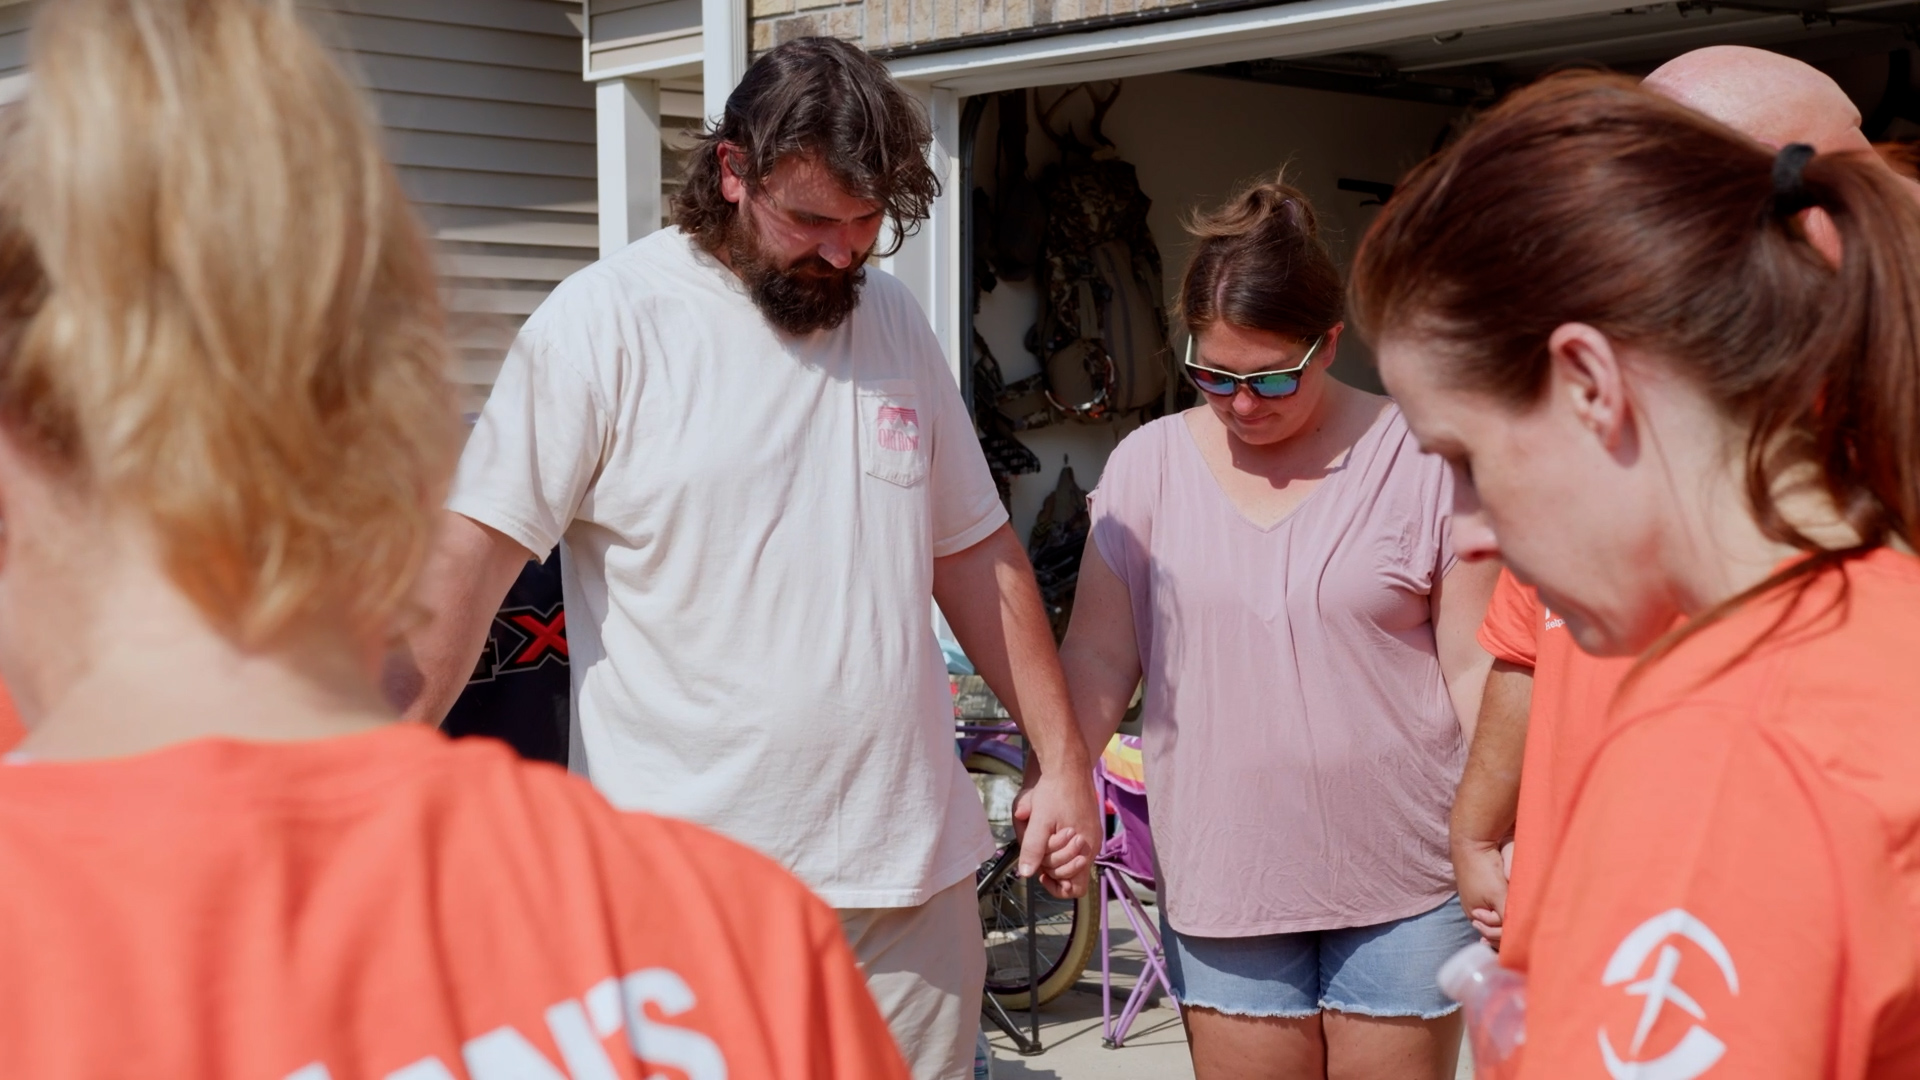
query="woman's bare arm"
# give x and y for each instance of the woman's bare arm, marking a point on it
(1459, 606)
(1100, 655)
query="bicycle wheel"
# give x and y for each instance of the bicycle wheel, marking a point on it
(1065, 931)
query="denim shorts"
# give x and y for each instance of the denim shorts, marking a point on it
(1383, 970)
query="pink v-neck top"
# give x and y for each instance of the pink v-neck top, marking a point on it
(1301, 750)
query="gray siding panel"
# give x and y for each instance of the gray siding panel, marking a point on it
(478, 153)
(13, 51)
(488, 266)
(491, 129)
(480, 81)
(14, 20)
(470, 116)
(607, 7)
(468, 44)
(528, 16)
(488, 226)
(660, 17)
(507, 191)
(504, 300)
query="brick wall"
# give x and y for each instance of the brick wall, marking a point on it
(881, 24)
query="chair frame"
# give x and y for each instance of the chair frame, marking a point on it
(1111, 878)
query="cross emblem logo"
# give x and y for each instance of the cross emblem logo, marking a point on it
(545, 634)
(522, 639)
(1698, 1050)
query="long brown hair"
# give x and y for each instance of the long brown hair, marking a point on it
(823, 97)
(1259, 263)
(1584, 198)
(217, 312)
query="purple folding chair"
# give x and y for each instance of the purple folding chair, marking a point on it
(1126, 856)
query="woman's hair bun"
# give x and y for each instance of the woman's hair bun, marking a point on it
(1270, 208)
(1258, 263)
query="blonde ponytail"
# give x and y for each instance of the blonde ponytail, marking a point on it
(222, 315)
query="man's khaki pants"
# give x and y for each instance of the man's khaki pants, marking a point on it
(926, 966)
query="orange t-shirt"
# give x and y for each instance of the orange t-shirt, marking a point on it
(1571, 694)
(396, 906)
(1737, 893)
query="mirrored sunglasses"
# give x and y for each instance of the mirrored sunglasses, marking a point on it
(1267, 384)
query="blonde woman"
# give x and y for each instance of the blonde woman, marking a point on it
(224, 431)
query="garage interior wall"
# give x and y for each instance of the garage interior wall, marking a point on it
(1193, 140)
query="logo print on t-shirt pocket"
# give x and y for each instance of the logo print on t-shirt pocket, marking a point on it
(899, 428)
(890, 439)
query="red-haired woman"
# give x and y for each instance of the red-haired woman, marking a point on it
(1663, 402)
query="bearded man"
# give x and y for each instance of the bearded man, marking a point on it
(750, 447)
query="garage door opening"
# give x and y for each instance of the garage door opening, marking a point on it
(1345, 126)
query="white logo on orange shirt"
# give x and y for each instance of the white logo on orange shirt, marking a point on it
(578, 1028)
(1698, 1050)
(1554, 622)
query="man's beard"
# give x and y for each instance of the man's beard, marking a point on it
(808, 295)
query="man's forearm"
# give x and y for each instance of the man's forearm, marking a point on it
(1047, 719)
(989, 597)
(461, 587)
(1488, 797)
(991, 601)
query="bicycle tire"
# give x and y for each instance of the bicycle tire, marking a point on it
(1001, 914)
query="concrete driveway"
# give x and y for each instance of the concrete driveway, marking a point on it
(1156, 1047)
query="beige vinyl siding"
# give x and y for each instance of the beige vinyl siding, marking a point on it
(627, 32)
(492, 131)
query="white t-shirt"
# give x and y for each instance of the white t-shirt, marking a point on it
(750, 522)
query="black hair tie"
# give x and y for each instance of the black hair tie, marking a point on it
(1789, 179)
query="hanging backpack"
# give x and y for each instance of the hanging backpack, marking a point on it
(1055, 545)
(1102, 338)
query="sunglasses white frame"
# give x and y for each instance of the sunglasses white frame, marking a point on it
(1242, 380)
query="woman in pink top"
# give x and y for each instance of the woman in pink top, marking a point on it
(1276, 563)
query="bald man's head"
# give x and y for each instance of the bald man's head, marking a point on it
(1773, 98)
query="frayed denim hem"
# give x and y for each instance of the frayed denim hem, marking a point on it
(1325, 1006)
(1389, 1014)
(1256, 1014)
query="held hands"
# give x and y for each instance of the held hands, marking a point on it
(1058, 811)
(1480, 872)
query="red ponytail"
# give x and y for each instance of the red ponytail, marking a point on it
(1584, 198)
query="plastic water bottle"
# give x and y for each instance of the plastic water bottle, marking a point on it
(1495, 1001)
(982, 1057)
